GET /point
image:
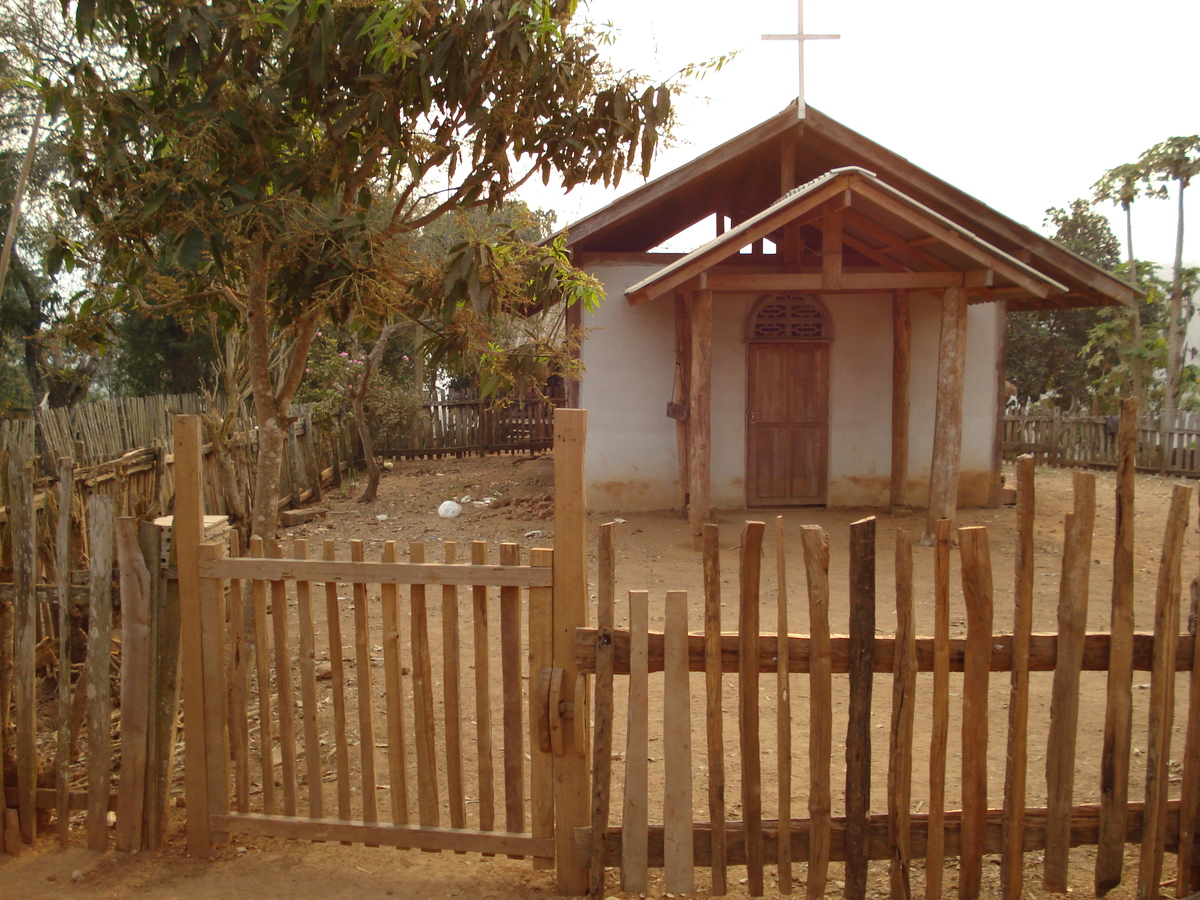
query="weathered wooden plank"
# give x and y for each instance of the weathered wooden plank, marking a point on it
(858, 735)
(678, 868)
(451, 705)
(394, 695)
(977, 595)
(541, 649)
(262, 671)
(1162, 696)
(904, 688)
(99, 663)
(239, 690)
(635, 816)
(483, 691)
(714, 711)
(216, 696)
(513, 696)
(1012, 868)
(1064, 699)
(408, 837)
(750, 559)
(820, 730)
(285, 706)
(602, 741)
(308, 689)
(341, 743)
(570, 611)
(135, 685)
(1188, 877)
(422, 687)
(376, 572)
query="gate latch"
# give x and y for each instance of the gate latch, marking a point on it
(552, 709)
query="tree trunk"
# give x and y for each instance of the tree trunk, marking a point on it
(360, 418)
(264, 515)
(1137, 379)
(1177, 327)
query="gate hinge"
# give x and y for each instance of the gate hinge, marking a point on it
(551, 709)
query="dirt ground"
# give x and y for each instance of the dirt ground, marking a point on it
(654, 553)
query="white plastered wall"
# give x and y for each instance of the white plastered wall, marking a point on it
(628, 352)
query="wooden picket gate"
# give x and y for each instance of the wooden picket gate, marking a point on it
(682, 841)
(255, 760)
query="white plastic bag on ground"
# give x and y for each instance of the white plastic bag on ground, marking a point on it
(449, 509)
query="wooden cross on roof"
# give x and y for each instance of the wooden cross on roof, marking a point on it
(800, 37)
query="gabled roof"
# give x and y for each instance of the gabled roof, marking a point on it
(740, 179)
(884, 219)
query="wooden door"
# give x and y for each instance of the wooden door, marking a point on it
(787, 453)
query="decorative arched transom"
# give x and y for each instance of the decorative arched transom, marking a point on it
(789, 317)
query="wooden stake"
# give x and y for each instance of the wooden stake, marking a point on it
(935, 849)
(1162, 696)
(483, 689)
(1012, 869)
(1118, 716)
(678, 868)
(422, 686)
(286, 704)
(308, 686)
(62, 755)
(135, 685)
(541, 657)
(394, 694)
(748, 703)
(99, 661)
(602, 745)
(1189, 790)
(451, 679)
(904, 688)
(262, 660)
(1064, 700)
(714, 714)
(977, 594)
(510, 672)
(783, 721)
(947, 429)
(23, 531)
(858, 735)
(333, 622)
(820, 729)
(635, 816)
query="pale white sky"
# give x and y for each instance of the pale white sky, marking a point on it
(1023, 104)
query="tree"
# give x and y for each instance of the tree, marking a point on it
(1045, 349)
(1177, 160)
(234, 159)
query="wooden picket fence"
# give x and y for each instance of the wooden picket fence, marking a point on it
(681, 842)
(1055, 439)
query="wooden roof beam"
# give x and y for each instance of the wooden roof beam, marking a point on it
(895, 243)
(851, 282)
(1037, 284)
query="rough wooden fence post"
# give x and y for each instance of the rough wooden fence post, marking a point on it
(1118, 719)
(99, 663)
(748, 703)
(23, 529)
(186, 532)
(571, 776)
(858, 735)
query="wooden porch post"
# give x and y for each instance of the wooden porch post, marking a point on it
(901, 366)
(683, 380)
(187, 528)
(572, 790)
(571, 387)
(700, 415)
(947, 427)
(996, 480)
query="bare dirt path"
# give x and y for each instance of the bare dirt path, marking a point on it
(654, 552)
